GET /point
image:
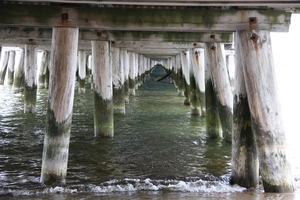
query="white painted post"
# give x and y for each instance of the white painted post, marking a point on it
(140, 70)
(145, 71)
(118, 81)
(193, 88)
(3, 65)
(186, 75)
(213, 124)
(42, 68)
(90, 67)
(136, 72)
(245, 167)
(103, 91)
(30, 68)
(46, 70)
(216, 65)
(132, 68)
(230, 62)
(9, 77)
(179, 79)
(18, 84)
(81, 71)
(258, 68)
(199, 69)
(125, 58)
(60, 104)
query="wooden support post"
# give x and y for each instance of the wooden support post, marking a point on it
(3, 65)
(179, 79)
(230, 63)
(125, 61)
(144, 73)
(60, 104)
(30, 68)
(18, 84)
(132, 62)
(193, 88)
(81, 71)
(199, 69)
(136, 72)
(118, 82)
(216, 65)
(186, 74)
(9, 78)
(103, 93)
(213, 124)
(258, 68)
(140, 74)
(42, 69)
(245, 167)
(90, 67)
(47, 74)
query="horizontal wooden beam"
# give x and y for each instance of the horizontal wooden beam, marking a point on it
(156, 45)
(86, 45)
(160, 51)
(187, 20)
(166, 36)
(180, 2)
(35, 33)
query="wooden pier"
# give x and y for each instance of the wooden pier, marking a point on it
(119, 42)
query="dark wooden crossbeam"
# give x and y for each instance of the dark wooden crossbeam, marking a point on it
(227, 3)
(177, 20)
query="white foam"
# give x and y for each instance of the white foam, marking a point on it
(130, 185)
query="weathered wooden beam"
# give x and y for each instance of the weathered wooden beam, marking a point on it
(42, 44)
(156, 51)
(156, 45)
(163, 36)
(143, 19)
(35, 33)
(180, 2)
(158, 57)
(151, 53)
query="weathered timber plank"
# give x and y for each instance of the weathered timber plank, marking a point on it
(163, 36)
(142, 19)
(157, 51)
(181, 3)
(46, 34)
(154, 45)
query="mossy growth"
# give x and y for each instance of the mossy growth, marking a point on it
(30, 95)
(54, 128)
(103, 117)
(213, 125)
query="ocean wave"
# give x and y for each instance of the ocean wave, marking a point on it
(133, 185)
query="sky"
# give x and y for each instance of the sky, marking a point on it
(285, 45)
(286, 55)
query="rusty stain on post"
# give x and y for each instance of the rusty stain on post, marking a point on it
(213, 37)
(254, 37)
(252, 22)
(197, 57)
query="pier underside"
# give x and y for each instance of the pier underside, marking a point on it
(119, 43)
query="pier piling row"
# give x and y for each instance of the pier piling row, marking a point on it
(125, 42)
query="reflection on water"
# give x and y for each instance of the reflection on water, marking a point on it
(159, 149)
